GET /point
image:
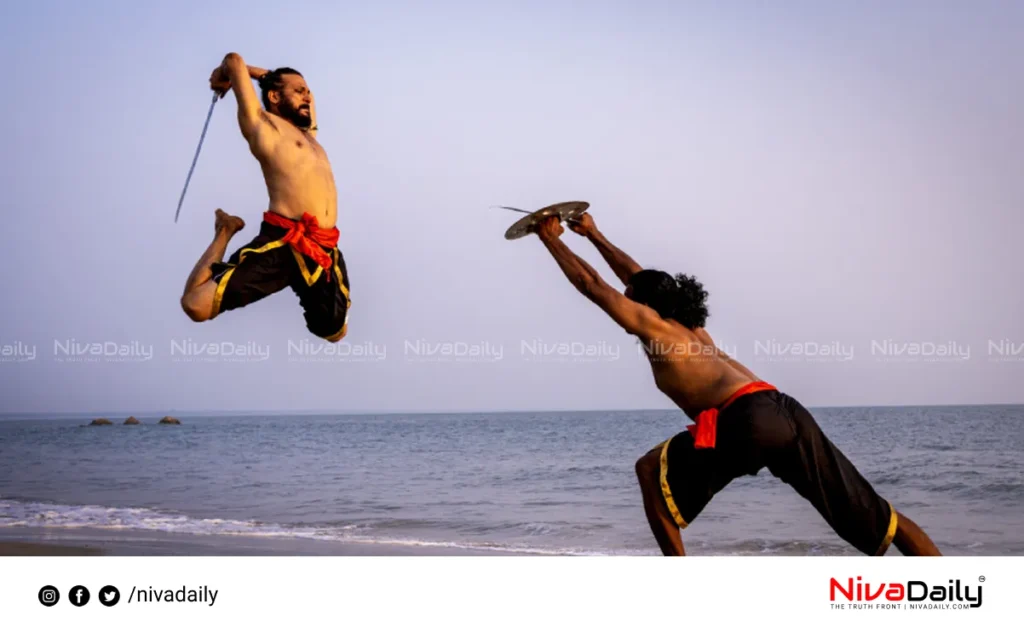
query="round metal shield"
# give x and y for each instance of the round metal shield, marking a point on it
(567, 211)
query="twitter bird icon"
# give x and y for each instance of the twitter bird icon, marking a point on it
(109, 596)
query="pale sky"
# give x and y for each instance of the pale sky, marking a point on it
(847, 176)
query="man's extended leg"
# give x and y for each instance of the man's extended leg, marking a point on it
(197, 300)
(911, 540)
(819, 471)
(666, 532)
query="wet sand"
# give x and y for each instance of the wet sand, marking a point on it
(93, 542)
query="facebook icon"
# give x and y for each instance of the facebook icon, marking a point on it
(79, 596)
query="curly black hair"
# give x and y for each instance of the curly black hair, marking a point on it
(272, 81)
(681, 298)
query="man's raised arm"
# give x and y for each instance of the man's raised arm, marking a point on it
(621, 264)
(235, 74)
(637, 319)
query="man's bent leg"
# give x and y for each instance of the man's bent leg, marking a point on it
(325, 302)
(198, 299)
(911, 540)
(666, 530)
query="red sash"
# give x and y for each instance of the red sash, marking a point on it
(306, 237)
(704, 431)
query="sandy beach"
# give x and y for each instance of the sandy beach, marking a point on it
(92, 542)
(20, 548)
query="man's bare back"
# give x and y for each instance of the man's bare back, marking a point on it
(687, 365)
(690, 369)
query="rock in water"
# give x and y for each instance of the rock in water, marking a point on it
(132, 420)
(101, 422)
(169, 420)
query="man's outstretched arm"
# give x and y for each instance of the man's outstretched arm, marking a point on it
(621, 264)
(633, 317)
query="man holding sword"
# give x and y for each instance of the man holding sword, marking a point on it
(297, 245)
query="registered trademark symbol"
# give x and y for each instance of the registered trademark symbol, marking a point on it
(981, 579)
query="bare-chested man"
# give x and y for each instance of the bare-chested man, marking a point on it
(742, 424)
(297, 243)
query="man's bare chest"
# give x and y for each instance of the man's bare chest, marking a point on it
(301, 154)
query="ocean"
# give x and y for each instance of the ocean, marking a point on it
(558, 483)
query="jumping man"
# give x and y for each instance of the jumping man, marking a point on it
(741, 424)
(297, 243)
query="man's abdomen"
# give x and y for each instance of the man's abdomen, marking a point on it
(305, 190)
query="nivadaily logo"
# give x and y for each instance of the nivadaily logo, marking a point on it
(913, 594)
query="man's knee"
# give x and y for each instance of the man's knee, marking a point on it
(195, 308)
(648, 467)
(337, 336)
(329, 326)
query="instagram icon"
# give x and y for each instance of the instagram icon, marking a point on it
(49, 596)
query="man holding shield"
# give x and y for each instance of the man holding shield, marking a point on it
(741, 424)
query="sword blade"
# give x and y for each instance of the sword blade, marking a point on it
(196, 157)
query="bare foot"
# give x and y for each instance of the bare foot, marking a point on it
(228, 223)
